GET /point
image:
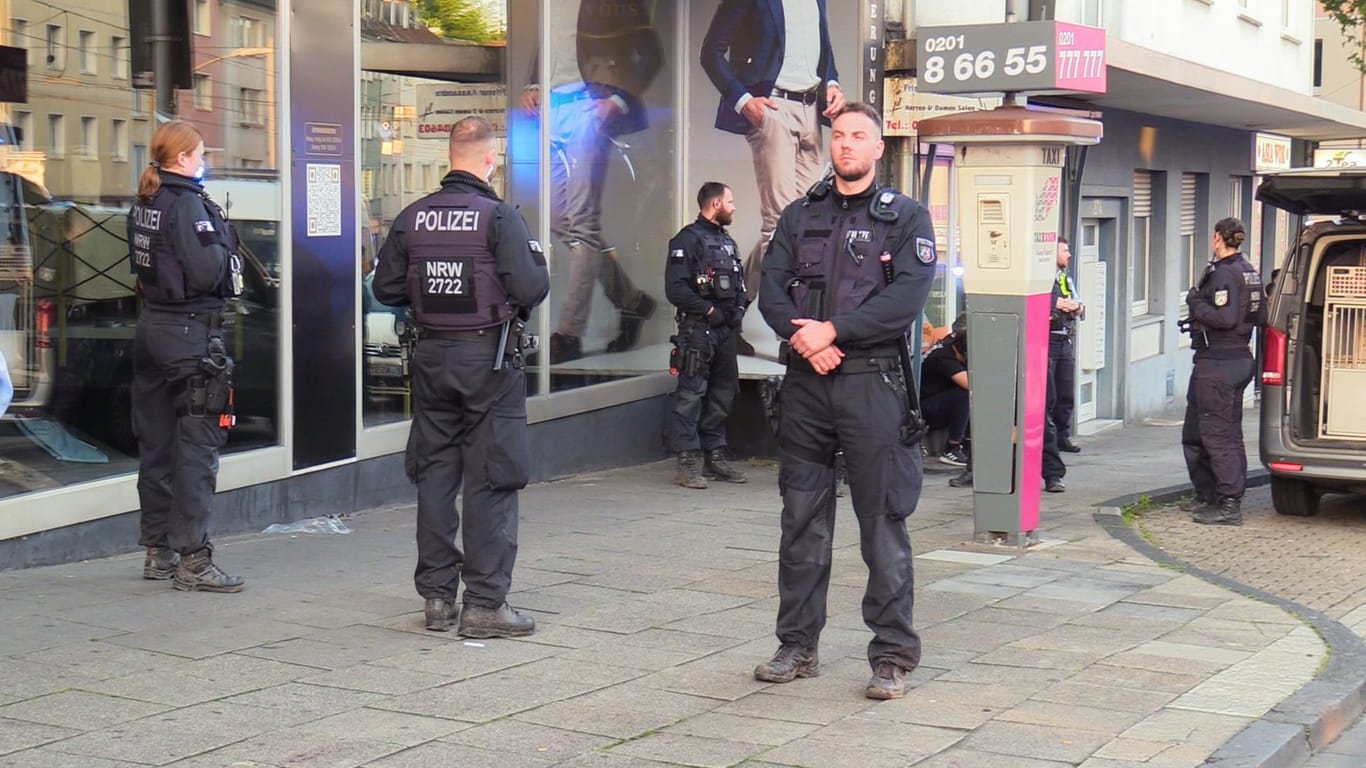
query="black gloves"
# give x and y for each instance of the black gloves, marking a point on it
(735, 316)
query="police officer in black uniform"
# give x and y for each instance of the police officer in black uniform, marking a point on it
(465, 263)
(704, 280)
(825, 291)
(1225, 308)
(184, 254)
(1062, 356)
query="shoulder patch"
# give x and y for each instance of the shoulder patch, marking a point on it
(678, 254)
(924, 250)
(1220, 298)
(203, 225)
(535, 246)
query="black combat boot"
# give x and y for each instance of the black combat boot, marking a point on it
(197, 572)
(1226, 511)
(160, 563)
(630, 324)
(480, 622)
(963, 480)
(438, 612)
(1196, 502)
(789, 663)
(888, 682)
(690, 470)
(719, 466)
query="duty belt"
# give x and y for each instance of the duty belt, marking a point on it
(472, 334)
(853, 362)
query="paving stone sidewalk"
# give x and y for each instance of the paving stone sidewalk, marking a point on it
(654, 604)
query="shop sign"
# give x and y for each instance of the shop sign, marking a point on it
(1340, 158)
(873, 52)
(1033, 56)
(907, 106)
(441, 106)
(1270, 153)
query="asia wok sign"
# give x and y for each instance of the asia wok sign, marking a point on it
(1032, 56)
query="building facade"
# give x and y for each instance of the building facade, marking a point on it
(323, 120)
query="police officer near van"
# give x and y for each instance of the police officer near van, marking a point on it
(184, 254)
(847, 276)
(1225, 308)
(704, 281)
(465, 263)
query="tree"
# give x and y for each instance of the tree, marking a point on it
(457, 19)
(1349, 15)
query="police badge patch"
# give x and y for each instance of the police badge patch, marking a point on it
(534, 245)
(677, 254)
(203, 225)
(1220, 298)
(924, 250)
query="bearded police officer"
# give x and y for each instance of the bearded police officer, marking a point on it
(466, 264)
(703, 280)
(847, 276)
(1225, 308)
(184, 254)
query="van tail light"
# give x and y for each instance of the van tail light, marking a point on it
(42, 328)
(1273, 358)
(1285, 466)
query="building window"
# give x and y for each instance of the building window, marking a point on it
(1093, 13)
(119, 138)
(56, 135)
(1235, 197)
(85, 50)
(1318, 65)
(140, 161)
(407, 177)
(252, 105)
(1190, 263)
(1142, 254)
(119, 47)
(56, 57)
(247, 33)
(19, 36)
(203, 92)
(202, 18)
(23, 127)
(90, 139)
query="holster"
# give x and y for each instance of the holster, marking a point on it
(211, 391)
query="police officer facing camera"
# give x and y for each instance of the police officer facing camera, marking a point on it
(849, 271)
(184, 254)
(465, 263)
(1224, 310)
(704, 280)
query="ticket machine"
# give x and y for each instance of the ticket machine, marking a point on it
(1009, 162)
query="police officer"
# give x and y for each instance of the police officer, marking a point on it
(465, 263)
(184, 254)
(1062, 356)
(826, 292)
(1224, 310)
(704, 280)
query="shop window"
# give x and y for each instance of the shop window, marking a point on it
(68, 333)
(85, 48)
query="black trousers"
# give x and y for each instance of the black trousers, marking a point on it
(861, 413)
(177, 450)
(469, 430)
(1062, 364)
(708, 382)
(1053, 468)
(949, 409)
(1212, 436)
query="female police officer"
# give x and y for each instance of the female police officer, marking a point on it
(184, 254)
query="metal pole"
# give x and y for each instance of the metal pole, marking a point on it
(163, 58)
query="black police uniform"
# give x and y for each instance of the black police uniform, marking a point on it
(824, 264)
(183, 252)
(466, 264)
(1224, 310)
(1062, 358)
(703, 275)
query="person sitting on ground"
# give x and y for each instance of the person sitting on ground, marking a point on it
(944, 395)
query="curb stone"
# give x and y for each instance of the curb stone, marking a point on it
(1309, 719)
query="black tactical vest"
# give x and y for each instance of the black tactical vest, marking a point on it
(837, 254)
(719, 274)
(453, 283)
(1239, 336)
(159, 269)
